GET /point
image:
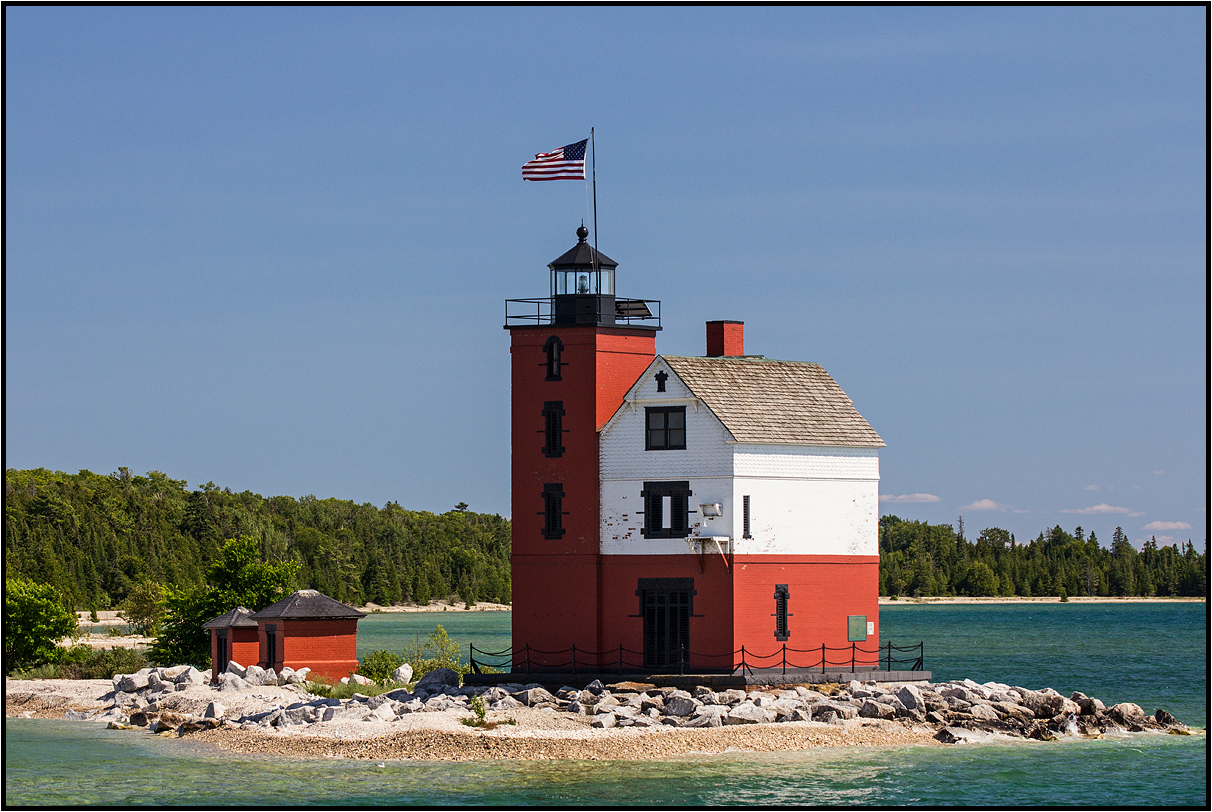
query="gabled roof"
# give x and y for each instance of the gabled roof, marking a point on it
(307, 603)
(238, 618)
(783, 402)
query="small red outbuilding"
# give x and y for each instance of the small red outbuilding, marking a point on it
(233, 636)
(308, 629)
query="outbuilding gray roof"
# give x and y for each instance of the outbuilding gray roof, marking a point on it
(308, 603)
(237, 618)
(760, 400)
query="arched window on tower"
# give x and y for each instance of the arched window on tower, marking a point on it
(554, 348)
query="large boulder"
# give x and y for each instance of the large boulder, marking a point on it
(215, 710)
(439, 677)
(130, 683)
(680, 705)
(911, 697)
(358, 679)
(234, 683)
(747, 713)
(843, 710)
(254, 675)
(984, 712)
(603, 720)
(1127, 713)
(707, 716)
(402, 674)
(170, 673)
(234, 667)
(189, 676)
(876, 710)
(733, 696)
(536, 697)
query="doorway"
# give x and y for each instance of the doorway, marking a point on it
(666, 606)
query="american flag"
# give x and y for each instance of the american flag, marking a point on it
(566, 163)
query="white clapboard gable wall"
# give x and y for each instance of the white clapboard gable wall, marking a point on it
(805, 498)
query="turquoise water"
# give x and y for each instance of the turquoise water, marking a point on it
(1151, 654)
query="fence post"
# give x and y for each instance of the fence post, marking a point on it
(852, 645)
(822, 658)
(742, 661)
(784, 659)
(889, 655)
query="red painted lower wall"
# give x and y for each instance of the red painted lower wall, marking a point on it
(823, 592)
(591, 602)
(243, 648)
(554, 607)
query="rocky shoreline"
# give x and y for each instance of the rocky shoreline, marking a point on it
(257, 711)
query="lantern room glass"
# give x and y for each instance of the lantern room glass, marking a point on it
(582, 281)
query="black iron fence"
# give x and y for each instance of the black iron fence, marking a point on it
(623, 660)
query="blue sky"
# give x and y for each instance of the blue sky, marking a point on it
(269, 247)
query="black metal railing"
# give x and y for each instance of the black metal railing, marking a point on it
(623, 660)
(540, 311)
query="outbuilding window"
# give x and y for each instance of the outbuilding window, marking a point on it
(666, 509)
(666, 427)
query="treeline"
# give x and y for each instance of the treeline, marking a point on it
(920, 559)
(96, 537)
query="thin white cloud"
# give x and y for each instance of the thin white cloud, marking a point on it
(1167, 526)
(1163, 540)
(987, 504)
(1092, 487)
(909, 497)
(1103, 508)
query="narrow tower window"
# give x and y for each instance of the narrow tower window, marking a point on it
(553, 503)
(554, 348)
(553, 428)
(781, 595)
(745, 514)
(661, 377)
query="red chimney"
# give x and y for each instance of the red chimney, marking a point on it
(725, 338)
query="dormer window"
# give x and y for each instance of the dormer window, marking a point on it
(554, 347)
(665, 428)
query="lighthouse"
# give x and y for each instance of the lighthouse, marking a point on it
(574, 354)
(681, 512)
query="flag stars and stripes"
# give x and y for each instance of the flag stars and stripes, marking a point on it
(565, 163)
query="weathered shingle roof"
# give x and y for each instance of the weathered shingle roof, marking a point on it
(235, 619)
(764, 401)
(310, 604)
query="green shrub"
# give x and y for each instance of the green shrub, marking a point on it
(84, 662)
(438, 652)
(34, 622)
(379, 664)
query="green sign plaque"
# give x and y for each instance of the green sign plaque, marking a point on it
(857, 626)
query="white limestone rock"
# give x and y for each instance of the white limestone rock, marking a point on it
(234, 667)
(748, 713)
(215, 710)
(402, 674)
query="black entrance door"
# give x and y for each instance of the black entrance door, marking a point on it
(666, 627)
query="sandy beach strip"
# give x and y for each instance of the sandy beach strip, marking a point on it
(587, 744)
(945, 601)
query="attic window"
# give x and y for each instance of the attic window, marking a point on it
(665, 427)
(661, 377)
(554, 348)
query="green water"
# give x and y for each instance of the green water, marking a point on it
(1153, 654)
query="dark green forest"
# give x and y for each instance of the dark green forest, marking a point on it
(96, 537)
(920, 559)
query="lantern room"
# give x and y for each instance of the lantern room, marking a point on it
(582, 285)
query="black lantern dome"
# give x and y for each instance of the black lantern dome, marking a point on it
(582, 284)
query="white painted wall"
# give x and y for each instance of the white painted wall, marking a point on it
(805, 500)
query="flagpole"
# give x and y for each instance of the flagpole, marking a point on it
(593, 157)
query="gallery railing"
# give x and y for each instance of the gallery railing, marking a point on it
(623, 660)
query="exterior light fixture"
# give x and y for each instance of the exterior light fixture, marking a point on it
(712, 509)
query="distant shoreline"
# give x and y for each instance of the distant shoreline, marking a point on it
(1046, 599)
(437, 606)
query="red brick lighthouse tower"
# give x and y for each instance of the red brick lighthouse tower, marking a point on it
(575, 354)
